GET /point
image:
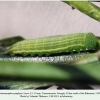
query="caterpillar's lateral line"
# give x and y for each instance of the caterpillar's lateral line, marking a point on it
(55, 44)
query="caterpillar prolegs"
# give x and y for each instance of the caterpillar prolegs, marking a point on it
(55, 44)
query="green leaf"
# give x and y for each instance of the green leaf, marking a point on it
(88, 73)
(92, 57)
(86, 7)
(10, 41)
(23, 85)
(51, 59)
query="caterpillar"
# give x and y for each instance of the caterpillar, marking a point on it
(54, 44)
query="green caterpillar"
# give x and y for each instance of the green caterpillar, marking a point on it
(55, 44)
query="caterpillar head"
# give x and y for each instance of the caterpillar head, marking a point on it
(91, 41)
